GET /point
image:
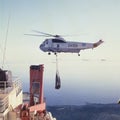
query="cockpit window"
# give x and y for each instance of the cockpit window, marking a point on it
(58, 41)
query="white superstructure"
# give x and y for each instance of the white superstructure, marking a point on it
(10, 94)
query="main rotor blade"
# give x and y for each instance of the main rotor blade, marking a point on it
(37, 35)
(43, 33)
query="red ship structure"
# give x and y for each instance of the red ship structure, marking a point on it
(32, 109)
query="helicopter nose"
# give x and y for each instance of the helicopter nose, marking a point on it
(41, 47)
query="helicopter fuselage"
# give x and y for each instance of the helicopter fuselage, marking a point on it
(57, 45)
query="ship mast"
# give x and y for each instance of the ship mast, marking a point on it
(6, 38)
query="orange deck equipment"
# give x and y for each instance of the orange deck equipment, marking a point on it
(37, 102)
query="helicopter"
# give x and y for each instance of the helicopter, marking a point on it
(58, 44)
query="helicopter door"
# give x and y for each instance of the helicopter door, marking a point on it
(48, 44)
(58, 46)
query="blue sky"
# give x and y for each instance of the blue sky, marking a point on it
(92, 77)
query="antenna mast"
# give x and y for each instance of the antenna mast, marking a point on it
(4, 51)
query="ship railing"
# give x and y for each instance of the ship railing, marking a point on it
(7, 86)
(17, 84)
(3, 104)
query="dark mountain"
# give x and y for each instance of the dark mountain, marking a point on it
(86, 112)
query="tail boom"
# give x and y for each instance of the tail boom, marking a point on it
(97, 43)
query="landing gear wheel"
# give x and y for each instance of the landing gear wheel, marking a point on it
(55, 53)
(49, 53)
(78, 54)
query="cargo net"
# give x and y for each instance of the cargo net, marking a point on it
(57, 77)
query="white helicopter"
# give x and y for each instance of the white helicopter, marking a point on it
(58, 44)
